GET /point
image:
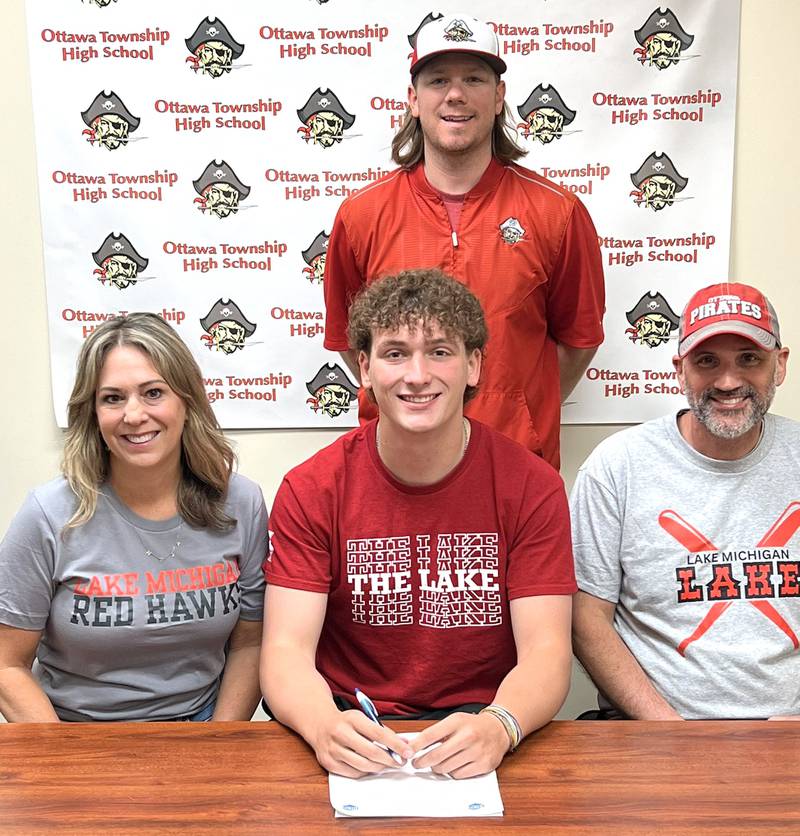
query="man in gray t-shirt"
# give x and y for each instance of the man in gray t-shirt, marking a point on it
(685, 534)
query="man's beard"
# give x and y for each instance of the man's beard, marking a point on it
(731, 424)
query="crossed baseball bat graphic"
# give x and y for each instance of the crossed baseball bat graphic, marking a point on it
(691, 539)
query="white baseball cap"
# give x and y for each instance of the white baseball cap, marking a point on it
(457, 33)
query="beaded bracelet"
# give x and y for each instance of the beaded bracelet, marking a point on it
(509, 722)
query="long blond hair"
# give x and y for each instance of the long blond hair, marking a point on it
(207, 458)
(408, 144)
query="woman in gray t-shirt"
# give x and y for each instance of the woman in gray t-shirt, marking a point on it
(134, 581)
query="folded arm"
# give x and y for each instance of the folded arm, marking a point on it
(533, 691)
(299, 696)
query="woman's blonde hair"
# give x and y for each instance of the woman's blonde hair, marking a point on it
(207, 459)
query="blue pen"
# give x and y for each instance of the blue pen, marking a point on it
(368, 707)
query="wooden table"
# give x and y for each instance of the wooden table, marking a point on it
(728, 777)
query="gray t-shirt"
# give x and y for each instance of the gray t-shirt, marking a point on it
(702, 560)
(127, 636)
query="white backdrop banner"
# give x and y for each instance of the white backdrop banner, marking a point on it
(191, 161)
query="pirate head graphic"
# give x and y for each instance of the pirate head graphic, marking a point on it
(324, 119)
(314, 257)
(226, 327)
(511, 231)
(652, 321)
(101, 3)
(657, 182)
(545, 115)
(661, 39)
(213, 48)
(412, 38)
(220, 190)
(109, 122)
(117, 261)
(457, 31)
(331, 391)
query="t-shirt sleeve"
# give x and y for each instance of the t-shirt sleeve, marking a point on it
(596, 536)
(576, 290)
(27, 561)
(343, 280)
(301, 545)
(255, 548)
(540, 554)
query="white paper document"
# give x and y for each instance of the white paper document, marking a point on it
(406, 791)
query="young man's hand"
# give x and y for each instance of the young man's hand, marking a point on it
(471, 744)
(345, 743)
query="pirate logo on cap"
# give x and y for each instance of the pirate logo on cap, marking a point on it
(213, 48)
(661, 39)
(429, 18)
(314, 257)
(101, 3)
(109, 121)
(226, 327)
(652, 321)
(331, 391)
(324, 119)
(545, 115)
(657, 182)
(511, 231)
(220, 190)
(458, 31)
(117, 261)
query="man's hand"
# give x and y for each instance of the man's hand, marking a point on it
(471, 744)
(344, 743)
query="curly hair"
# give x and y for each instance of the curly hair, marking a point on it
(417, 298)
(207, 458)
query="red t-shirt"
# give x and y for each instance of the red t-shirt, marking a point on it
(419, 579)
(526, 248)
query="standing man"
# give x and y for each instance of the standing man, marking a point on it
(524, 246)
(423, 557)
(685, 534)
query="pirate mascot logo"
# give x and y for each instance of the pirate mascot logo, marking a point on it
(512, 231)
(652, 321)
(117, 261)
(429, 18)
(457, 31)
(545, 115)
(226, 327)
(101, 3)
(314, 257)
(220, 190)
(213, 48)
(657, 182)
(324, 119)
(109, 121)
(661, 39)
(331, 391)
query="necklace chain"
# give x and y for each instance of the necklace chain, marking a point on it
(150, 553)
(467, 433)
